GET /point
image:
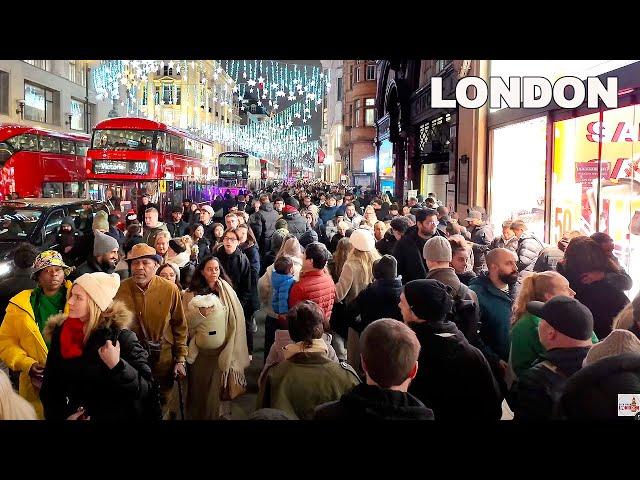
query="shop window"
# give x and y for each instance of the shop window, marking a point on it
(517, 175)
(596, 180)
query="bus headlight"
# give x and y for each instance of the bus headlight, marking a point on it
(5, 268)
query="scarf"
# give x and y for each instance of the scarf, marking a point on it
(72, 338)
(234, 357)
(318, 345)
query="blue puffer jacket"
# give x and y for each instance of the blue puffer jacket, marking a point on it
(327, 213)
(281, 287)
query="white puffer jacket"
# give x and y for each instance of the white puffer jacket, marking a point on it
(210, 331)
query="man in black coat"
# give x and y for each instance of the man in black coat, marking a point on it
(565, 331)
(263, 223)
(454, 378)
(296, 223)
(481, 236)
(104, 258)
(177, 227)
(390, 352)
(408, 250)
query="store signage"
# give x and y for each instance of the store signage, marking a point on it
(526, 92)
(623, 132)
(121, 166)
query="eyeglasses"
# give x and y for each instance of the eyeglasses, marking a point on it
(432, 223)
(231, 239)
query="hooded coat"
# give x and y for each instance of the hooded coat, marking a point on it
(370, 402)
(379, 300)
(454, 378)
(263, 224)
(592, 393)
(296, 223)
(123, 393)
(90, 266)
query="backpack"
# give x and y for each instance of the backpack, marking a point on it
(466, 314)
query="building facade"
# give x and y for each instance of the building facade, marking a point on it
(49, 94)
(357, 151)
(415, 144)
(331, 167)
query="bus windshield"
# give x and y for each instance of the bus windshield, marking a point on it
(17, 223)
(232, 160)
(124, 139)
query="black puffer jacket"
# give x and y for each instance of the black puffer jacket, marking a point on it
(481, 237)
(122, 393)
(178, 229)
(453, 375)
(537, 391)
(408, 253)
(263, 224)
(529, 247)
(296, 223)
(238, 268)
(370, 402)
(548, 259)
(592, 393)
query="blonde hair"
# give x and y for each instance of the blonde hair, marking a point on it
(624, 319)
(373, 211)
(343, 249)
(290, 248)
(365, 261)
(534, 287)
(12, 405)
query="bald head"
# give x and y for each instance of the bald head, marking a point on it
(502, 267)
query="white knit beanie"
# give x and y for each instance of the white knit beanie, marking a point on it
(616, 343)
(101, 287)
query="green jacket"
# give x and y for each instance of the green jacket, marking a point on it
(525, 343)
(298, 385)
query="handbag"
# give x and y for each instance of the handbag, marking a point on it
(233, 389)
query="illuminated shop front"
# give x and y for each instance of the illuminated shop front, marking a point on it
(583, 170)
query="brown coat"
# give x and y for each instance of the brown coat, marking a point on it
(160, 308)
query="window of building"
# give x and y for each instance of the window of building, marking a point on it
(356, 121)
(441, 64)
(350, 76)
(166, 70)
(77, 114)
(178, 95)
(4, 92)
(339, 89)
(253, 109)
(371, 72)
(43, 64)
(358, 74)
(325, 115)
(145, 94)
(156, 95)
(167, 93)
(41, 104)
(72, 71)
(370, 112)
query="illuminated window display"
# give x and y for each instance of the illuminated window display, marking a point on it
(517, 174)
(595, 180)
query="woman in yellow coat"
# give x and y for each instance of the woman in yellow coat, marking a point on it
(22, 346)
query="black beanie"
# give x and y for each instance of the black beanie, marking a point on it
(175, 246)
(308, 237)
(385, 268)
(429, 299)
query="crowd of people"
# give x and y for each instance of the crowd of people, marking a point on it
(373, 308)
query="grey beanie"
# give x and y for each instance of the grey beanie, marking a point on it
(104, 243)
(308, 237)
(437, 249)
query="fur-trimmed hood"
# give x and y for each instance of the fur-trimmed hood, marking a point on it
(118, 315)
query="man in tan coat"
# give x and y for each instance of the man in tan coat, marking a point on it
(160, 321)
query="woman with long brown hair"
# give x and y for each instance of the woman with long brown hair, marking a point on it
(582, 264)
(339, 258)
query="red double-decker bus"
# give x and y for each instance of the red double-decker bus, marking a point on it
(134, 156)
(36, 162)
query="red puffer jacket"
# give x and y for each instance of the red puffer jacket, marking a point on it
(317, 286)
